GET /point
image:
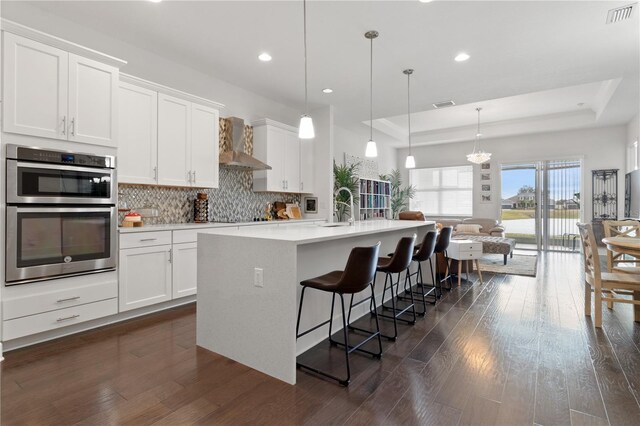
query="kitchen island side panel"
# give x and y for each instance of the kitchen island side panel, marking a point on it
(252, 325)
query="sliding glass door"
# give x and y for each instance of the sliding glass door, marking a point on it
(541, 204)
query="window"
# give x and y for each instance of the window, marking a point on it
(443, 191)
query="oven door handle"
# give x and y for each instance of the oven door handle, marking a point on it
(60, 209)
(62, 167)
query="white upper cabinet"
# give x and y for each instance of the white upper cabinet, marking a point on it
(292, 163)
(52, 93)
(93, 93)
(137, 134)
(174, 137)
(307, 167)
(268, 147)
(35, 88)
(277, 145)
(165, 139)
(204, 146)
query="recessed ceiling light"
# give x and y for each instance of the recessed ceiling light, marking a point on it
(327, 90)
(462, 57)
(425, 1)
(264, 57)
(155, 1)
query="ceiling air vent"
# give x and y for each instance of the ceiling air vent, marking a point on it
(620, 14)
(443, 104)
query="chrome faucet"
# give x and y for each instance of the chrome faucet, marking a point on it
(350, 205)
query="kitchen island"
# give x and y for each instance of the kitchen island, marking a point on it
(248, 286)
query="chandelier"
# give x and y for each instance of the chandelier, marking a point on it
(478, 156)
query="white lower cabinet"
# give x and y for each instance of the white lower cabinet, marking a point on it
(46, 321)
(33, 308)
(144, 276)
(185, 269)
(152, 269)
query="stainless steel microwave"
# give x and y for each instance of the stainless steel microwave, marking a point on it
(37, 176)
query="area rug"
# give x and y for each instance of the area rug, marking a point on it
(519, 265)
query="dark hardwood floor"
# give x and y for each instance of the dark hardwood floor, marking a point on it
(515, 350)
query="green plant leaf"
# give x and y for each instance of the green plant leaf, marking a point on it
(399, 196)
(345, 176)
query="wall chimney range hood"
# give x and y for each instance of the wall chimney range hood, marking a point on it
(236, 157)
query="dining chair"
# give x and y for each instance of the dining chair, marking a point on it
(614, 283)
(617, 262)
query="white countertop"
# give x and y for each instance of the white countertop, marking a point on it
(209, 225)
(310, 233)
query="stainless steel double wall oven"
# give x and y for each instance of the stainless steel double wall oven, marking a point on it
(61, 214)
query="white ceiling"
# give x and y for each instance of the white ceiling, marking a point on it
(532, 59)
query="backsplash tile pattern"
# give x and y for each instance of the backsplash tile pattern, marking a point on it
(233, 200)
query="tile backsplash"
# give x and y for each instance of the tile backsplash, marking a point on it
(233, 200)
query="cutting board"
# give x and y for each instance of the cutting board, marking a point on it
(293, 211)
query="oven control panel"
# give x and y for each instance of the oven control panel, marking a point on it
(62, 157)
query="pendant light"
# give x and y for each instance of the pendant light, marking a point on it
(305, 130)
(372, 149)
(478, 156)
(410, 163)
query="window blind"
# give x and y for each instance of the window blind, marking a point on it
(443, 191)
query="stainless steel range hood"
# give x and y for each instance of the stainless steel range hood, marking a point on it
(237, 158)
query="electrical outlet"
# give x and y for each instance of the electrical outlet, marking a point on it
(258, 277)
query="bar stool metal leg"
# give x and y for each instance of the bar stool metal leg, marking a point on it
(397, 313)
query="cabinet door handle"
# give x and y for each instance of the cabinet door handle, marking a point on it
(170, 255)
(73, 126)
(155, 173)
(301, 186)
(68, 318)
(282, 184)
(148, 239)
(64, 124)
(189, 176)
(194, 176)
(68, 299)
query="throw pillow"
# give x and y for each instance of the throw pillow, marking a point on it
(468, 228)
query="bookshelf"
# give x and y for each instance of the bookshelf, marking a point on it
(375, 199)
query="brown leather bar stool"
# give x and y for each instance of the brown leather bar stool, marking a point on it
(397, 264)
(441, 247)
(357, 275)
(423, 253)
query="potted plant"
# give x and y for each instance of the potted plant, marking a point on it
(399, 196)
(345, 176)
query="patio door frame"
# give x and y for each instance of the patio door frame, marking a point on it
(541, 186)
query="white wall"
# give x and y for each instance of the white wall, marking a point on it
(323, 153)
(633, 135)
(599, 148)
(352, 143)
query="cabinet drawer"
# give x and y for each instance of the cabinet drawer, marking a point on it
(33, 324)
(477, 247)
(145, 239)
(466, 255)
(36, 298)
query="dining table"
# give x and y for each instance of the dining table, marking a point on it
(631, 247)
